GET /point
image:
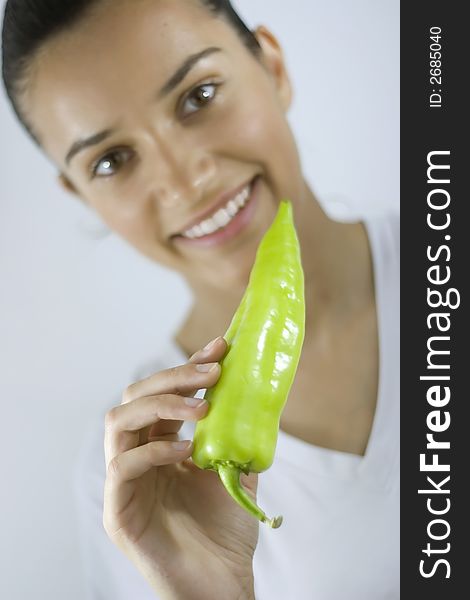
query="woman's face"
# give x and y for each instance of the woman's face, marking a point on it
(158, 117)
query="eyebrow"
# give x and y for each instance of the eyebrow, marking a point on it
(170, 85)
(181, 73)
(80, 145)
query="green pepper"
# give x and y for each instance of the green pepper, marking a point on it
(264, 342)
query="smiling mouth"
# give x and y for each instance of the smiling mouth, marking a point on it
(225, 222)
(221, 218)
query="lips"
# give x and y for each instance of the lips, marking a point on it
(221, 202)
(237, 224)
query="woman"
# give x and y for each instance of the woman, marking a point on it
(168, 118)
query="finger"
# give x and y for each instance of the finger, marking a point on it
(250, 482)
(214, 351)
(164, 427)
(124, 423)
(128, 466)
(182, 380)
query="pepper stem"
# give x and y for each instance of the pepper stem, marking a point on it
(229, 474)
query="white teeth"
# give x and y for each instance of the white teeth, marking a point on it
(207, 226)
(221, 218)
(197, 231)
(242, 196)
(232, 208)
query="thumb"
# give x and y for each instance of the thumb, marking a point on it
(250, 482)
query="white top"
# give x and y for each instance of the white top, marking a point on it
(340, 534)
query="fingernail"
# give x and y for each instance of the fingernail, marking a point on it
(206, 367)
(206, 348)
(184, 445)
(211, 343)
(194, 402)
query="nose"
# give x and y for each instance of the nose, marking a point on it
(182, 171)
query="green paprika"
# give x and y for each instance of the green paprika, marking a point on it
(264, 342)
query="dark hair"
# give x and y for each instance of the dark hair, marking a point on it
(28, 24)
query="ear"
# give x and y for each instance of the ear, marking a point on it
(273, 60)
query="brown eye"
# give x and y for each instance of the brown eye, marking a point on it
(110, 163)
(198, 98)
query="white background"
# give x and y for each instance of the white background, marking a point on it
(79, 314)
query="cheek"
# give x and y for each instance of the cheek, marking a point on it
(143, 235)
(142, 231)
(257, 131)
(122, 218)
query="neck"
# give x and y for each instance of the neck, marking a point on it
(336, 261)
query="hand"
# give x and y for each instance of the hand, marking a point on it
(175, 521)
